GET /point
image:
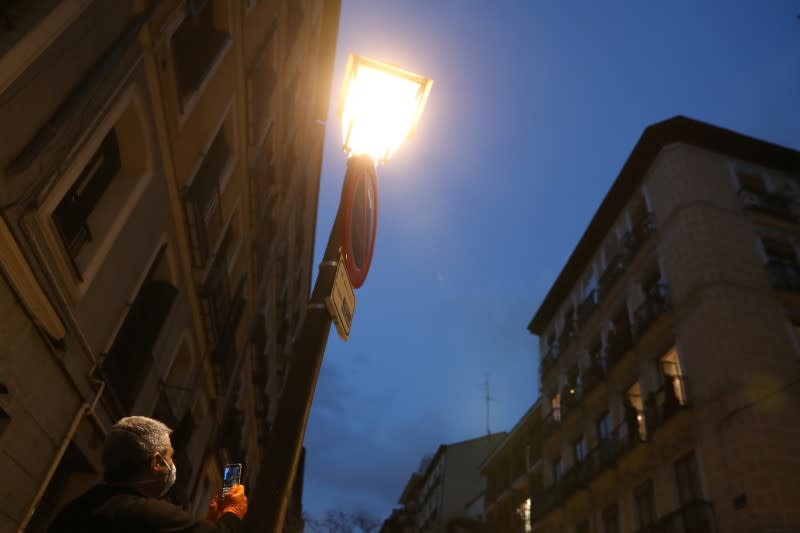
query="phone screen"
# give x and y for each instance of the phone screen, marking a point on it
(231, 476)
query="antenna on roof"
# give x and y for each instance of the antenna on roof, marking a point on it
(488, 399)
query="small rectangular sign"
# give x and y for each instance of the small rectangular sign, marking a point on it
(341, 303)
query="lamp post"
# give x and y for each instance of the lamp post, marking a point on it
(380, 107)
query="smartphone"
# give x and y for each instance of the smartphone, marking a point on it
(231, 475)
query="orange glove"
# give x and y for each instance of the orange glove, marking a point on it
(214, 510)
(235, 501)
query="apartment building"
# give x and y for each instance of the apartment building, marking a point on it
(160, 164)
(670, 360)
(439, 494)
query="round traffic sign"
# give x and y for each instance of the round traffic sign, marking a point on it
(360, 217)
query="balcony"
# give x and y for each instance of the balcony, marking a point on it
(692, 517)
(550, 423)
(655, 303)
(616, 266)
(784, 275)
(125, 366)
(638, 235)
(665, 402)
(587, 307)
(617, 345)
(549, 360)
(225, 348)
(593, 376)
(571, 397)
(567, 335)
(773, 204)
(645, 227)
(602, 457)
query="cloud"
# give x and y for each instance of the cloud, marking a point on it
(360, 451)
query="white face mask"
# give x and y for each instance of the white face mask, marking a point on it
(171, 477)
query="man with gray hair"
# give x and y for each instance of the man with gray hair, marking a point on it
(138, 470)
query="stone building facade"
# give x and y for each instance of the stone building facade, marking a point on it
(670, 360)
(160, 166)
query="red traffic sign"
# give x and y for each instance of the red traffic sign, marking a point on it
(359, 217)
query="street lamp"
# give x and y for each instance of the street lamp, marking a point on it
(380, 107)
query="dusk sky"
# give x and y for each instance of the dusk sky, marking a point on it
(535, 107)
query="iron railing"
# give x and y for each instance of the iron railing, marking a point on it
(666, 401)
(550, 359)
(776, 204)
(616, 266)
(587, 307)
(617, 345)
(655, 303)
(784, 274)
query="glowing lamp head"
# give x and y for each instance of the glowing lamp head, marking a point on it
(380, 107)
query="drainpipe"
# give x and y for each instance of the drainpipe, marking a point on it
(86, 409)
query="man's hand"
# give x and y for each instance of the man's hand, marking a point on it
(235, 501)
(214, 509)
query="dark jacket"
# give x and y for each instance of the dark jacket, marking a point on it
(105, 508)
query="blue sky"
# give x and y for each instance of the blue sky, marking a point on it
(535, 107)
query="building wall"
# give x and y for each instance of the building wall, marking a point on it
(728, 323)
(462, 477)
(215, 378)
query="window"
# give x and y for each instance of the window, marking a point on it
(579, 450)
(5, 420)
(611, 247)
(603, 426)
(525, 514)
(651, 281)
(90, 204)
(589, 282)
(687, 478)
(672, 378)
(557, 470)
(71, 217)
(639, 214)
(203, 195)
(645, 500)
(634, 419)
(132, 355)
(610, 518)
(261, 84)
(778, 251)
(555, 404)
(196, 46)
(751, 182)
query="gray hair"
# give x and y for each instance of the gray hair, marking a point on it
(129, 446)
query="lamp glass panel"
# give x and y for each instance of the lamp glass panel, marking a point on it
(379, 111)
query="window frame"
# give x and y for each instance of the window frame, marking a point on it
(77, 279)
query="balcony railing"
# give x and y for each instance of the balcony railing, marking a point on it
(126, 364)
(655, 303)
(615, 268)
(594, 375)
(617, 345)
(665, 402)
(571, 397)
(644, 228)
(566, 336)
(587, 307)
(776, 204)
(550, 359)
(636, 237)
(692, 517)
(550, 423)
(580, 475)
(784, 275)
